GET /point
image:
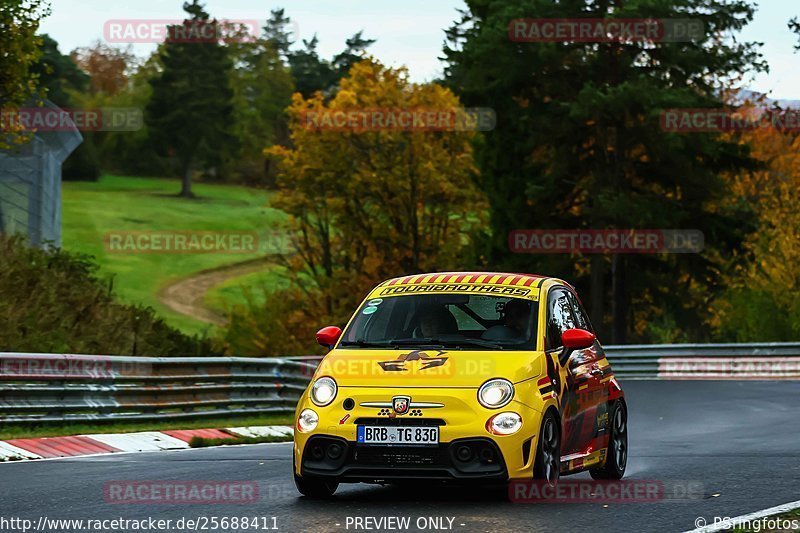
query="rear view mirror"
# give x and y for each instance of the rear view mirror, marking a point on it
(328, 336)
(577, 339)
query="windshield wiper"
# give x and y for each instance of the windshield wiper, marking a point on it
(447, 343)
(361, 343)
(421, 341)
(479, 342)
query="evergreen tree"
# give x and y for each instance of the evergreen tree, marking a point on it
(311, 73)
(354, 51)
(276, 32)
(578, 144)
(190, 110)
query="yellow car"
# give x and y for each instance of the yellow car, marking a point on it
(461, 376)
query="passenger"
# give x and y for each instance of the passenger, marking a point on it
(516, 319)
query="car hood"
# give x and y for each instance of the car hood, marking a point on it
(428, 367)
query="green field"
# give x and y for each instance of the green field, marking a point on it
(94, 210)
(232, 292)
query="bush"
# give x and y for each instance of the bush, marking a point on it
(82, 164)
(284, 324)
(53, 302)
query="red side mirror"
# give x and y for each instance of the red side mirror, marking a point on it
(328, 336)
(577, 339)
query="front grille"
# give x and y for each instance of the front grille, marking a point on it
(426, 422)
(399, 456)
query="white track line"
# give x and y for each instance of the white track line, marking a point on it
(117, 455)
(262, 431)
(738, 521)
(141, 441)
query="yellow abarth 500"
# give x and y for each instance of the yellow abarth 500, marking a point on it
(461, 377)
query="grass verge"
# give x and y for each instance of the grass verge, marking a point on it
(202, 442)
(19, 431)
(117, 204)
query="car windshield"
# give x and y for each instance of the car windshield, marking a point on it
(460, 321)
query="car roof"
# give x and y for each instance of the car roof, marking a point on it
(495, 278)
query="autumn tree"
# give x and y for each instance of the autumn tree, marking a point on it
(367, 201)
(20, 49)
(262, 88)
(108, 67)
(760, 301)
(64, 84)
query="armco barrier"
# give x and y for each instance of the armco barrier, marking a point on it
(52, 388)
(765, 360)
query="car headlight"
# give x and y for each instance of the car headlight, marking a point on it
(495, 393)
(307, 421)
(504, 424)
(323, 391)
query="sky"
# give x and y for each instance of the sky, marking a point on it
(408, 32)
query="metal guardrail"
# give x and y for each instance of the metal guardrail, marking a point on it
(61, 388)
(764, 360)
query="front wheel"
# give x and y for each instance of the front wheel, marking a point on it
(548, 451)
(617, 452)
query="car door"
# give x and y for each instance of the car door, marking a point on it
(581, 389)
(593, 396)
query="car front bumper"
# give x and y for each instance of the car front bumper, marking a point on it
(331, 451)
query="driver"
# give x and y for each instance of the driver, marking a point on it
(516, 316)
(436, 320)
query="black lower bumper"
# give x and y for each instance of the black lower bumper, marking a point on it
(462, 460)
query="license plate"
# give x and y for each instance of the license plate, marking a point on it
(397, 435)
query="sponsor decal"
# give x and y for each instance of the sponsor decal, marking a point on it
(502, 290)
(399, 364)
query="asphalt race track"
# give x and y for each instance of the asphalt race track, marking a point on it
(738, 441)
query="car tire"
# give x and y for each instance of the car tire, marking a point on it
(617, 451)
(315, 488)
(547, 466)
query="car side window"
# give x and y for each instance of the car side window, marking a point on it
(559, 317)
(581, 318)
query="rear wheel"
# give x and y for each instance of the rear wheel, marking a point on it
(617, 452)
(548, 451)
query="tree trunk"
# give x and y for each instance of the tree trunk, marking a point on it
(186, 184)
(619, 304)
(597, 293)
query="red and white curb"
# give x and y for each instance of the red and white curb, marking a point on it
(142, 441)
